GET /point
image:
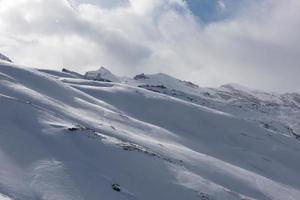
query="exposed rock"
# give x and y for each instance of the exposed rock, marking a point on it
(102, 74)
(72, 73)
(116, 187)
(5, 58)
(140, 76)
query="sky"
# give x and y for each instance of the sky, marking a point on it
(254, 43)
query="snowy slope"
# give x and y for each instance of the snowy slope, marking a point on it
(64, 73)
(70, 138)
(279, 113)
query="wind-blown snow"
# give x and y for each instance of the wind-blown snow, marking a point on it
(65, 137)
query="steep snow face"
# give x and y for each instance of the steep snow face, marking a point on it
(102, 74)
(5, 58)
(236, 92)
(279, 113)
(166, 81)
(70, 138)
(159, 79)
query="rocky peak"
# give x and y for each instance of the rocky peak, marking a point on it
(5, 58)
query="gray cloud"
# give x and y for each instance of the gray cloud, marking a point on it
(258, 47)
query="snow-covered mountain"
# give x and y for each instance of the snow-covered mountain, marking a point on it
(66, 137)
(279, 113)
(102, 74)
(5, 58)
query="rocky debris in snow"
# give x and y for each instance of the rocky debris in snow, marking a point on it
(297, 136)
(175, 93)
(134, 147)
(128, 146)
(266, 125)
(152, 86)
(73, 129)
(140, 76)
(72, 73)
(116, 187)
(77, 128)
(138, 148)
(204, 196)
(190, 84)
(91, 133)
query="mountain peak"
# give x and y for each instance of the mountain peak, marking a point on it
(103, 69)
(236, 87)
(102, 74)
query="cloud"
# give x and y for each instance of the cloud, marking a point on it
(60, 35)
(108, 4)
(258, 45)
(221, 5)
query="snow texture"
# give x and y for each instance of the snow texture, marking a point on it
(67, 137)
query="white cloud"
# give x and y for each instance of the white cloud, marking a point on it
(259, 47)
(221, 5)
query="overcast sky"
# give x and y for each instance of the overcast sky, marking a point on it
(211, 42)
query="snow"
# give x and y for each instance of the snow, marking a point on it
(64, 73)
(279, 113)
(3, 197)
(65, 137)
(102, 74)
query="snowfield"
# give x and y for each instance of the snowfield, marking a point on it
(69, 137)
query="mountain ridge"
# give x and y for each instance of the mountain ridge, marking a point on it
(266, 104)
(5, 58)
(66, 137)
